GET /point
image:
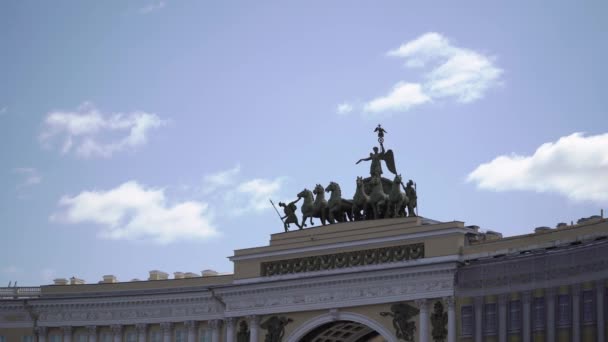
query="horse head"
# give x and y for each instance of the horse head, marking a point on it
(397, 179)
(304, 193)
(333, 186)
(318, 189)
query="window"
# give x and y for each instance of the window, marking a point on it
(538, 314)
(105, 336)
(489, 319)
(466, 321)
(2, 338)
(27, 338)
(55, 338)
(588, 307)
(155, 336)
(205, 335)
(130, 336)
(180, 335)
(563, 313)
(514, 316)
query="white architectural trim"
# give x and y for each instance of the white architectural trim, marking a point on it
(404, 237)
(306, 327)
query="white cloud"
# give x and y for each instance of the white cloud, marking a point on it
(575, 166)
(448, 71)
(256, 194)
(12, 270)
(133, 212)
(30, 176)
(401, 98)
(3, 110)
(344, 108)
(89, 133)
(152, 7)
(220, 179)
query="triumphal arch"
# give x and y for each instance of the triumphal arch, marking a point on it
(372, 269)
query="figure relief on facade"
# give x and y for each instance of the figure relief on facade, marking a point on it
(402, 313)
(439, 321)
(243, 333)
(275, 326)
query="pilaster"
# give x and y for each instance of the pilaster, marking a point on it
(423, 330)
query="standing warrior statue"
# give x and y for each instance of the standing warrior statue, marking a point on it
(410, 192)
(376, 167)
(290, 214)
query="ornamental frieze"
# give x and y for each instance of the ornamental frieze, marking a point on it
(342, 260)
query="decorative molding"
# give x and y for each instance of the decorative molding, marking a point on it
(343, 260)
(116, 329)
(67, 330)
(450, 302)
(92, 329)
(141, 327)
(334, 313)
(166, 327)
(215, 323)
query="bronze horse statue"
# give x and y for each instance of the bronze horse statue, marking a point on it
(378, 199)
(397, 200)
(339, 209)
(361, 206)
(314, 207)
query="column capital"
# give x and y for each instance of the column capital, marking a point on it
(191, 325)
(92, 329)
(116, 328)
(601, 285)
(253, 319)
(575, 289)
(550, 292)
(422, 304)
(166, 327)
(41, 330)
(526, 297)
(334, 313)
(67, 330)
(215, 323)
(449, 301)
(503, 298)
(141, 327)
(229, 321)
(478, 301)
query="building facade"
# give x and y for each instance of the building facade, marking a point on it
(408, 279)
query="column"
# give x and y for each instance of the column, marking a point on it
(117, 332)
(166, 329)
(423, 329)
(67, 334)
(449, 302)
(526, 302)
(191, 326)
(215, 330)
(142, 331)
(254, 324)
(576, 313)
(41, 333)
(478, 319)
(92, 333)
(502, 317)
(229, 329)
(550, 302)
(600, 293)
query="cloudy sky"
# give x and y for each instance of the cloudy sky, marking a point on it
(140, 135)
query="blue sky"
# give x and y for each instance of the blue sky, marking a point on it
(141, 135)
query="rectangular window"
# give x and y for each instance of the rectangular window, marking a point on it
(55, 338)
(130, 336)
(489, 319)
(588, 307)
(538, 314)
(205, 335)
(27, 338)
(2, 338)
(155, 336)
(466, 328)
(514, 323)
(563, 311)
(180, 335)
(105, 336)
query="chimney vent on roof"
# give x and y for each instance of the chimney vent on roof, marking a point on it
(76, 281)
(158, 275)
(190, 275)
(60, 281)
(542, 229)
(178, 275)
(109, 278)
(208, 273)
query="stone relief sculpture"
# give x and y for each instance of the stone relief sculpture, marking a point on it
(439, 320)
(376, 197)
(402, 313)
(276, 328)
(243, 333)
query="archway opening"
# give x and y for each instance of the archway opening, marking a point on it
(342, 331)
